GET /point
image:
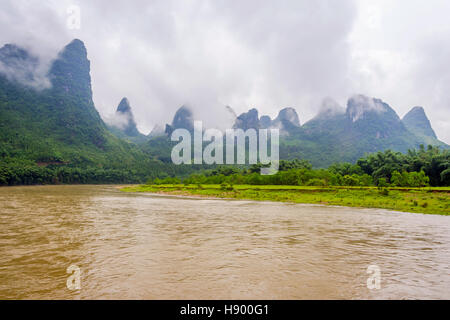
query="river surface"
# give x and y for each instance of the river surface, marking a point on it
(144, 246)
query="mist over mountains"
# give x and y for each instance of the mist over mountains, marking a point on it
(58, 121)
(335, 134)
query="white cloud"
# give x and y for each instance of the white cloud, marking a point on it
(403, 57)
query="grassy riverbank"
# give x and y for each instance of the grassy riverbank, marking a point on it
(420, 200)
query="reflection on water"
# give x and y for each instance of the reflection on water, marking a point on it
(141, 246)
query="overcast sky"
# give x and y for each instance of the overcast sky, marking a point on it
(263, 54)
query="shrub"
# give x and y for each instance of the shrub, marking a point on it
(317, 182)
(382, 183)
(350, 180)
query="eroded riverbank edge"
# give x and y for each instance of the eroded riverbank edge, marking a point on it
(423, 201)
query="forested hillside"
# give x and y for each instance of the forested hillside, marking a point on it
(51, 132)
(55, 134)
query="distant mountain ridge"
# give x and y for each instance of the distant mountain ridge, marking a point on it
(336, 134)
(48, 118)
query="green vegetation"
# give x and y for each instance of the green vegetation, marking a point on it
(420, 200)
(434, 162)
(383, 180)
(28, 173)
(56, 135)
(384, 169)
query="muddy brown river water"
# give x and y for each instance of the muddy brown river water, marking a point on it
(143, 246)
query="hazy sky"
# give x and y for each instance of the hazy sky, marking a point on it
(263, 54)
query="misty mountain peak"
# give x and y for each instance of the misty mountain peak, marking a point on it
(124, 106)
(417, 121)
(248, 120)
(417, 109)
(374, 119)
(75, 55)
(183, 119)
(288, 115)
(359, 106)
(70, 72)
(124, 119)
(286, 121)
(265, 122)
(76, 46)
(157, 131)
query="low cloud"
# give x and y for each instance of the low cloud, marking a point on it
(118, 120)
(28, 71)
(330, 107)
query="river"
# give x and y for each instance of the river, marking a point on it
(143, 246)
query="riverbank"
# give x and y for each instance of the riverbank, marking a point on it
(418, 200)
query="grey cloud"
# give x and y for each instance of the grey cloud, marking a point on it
(17, 65)
(208, 54)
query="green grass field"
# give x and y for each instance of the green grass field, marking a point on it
(419, 200)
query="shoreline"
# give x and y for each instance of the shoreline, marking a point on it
(424, 201)
(189, 196)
